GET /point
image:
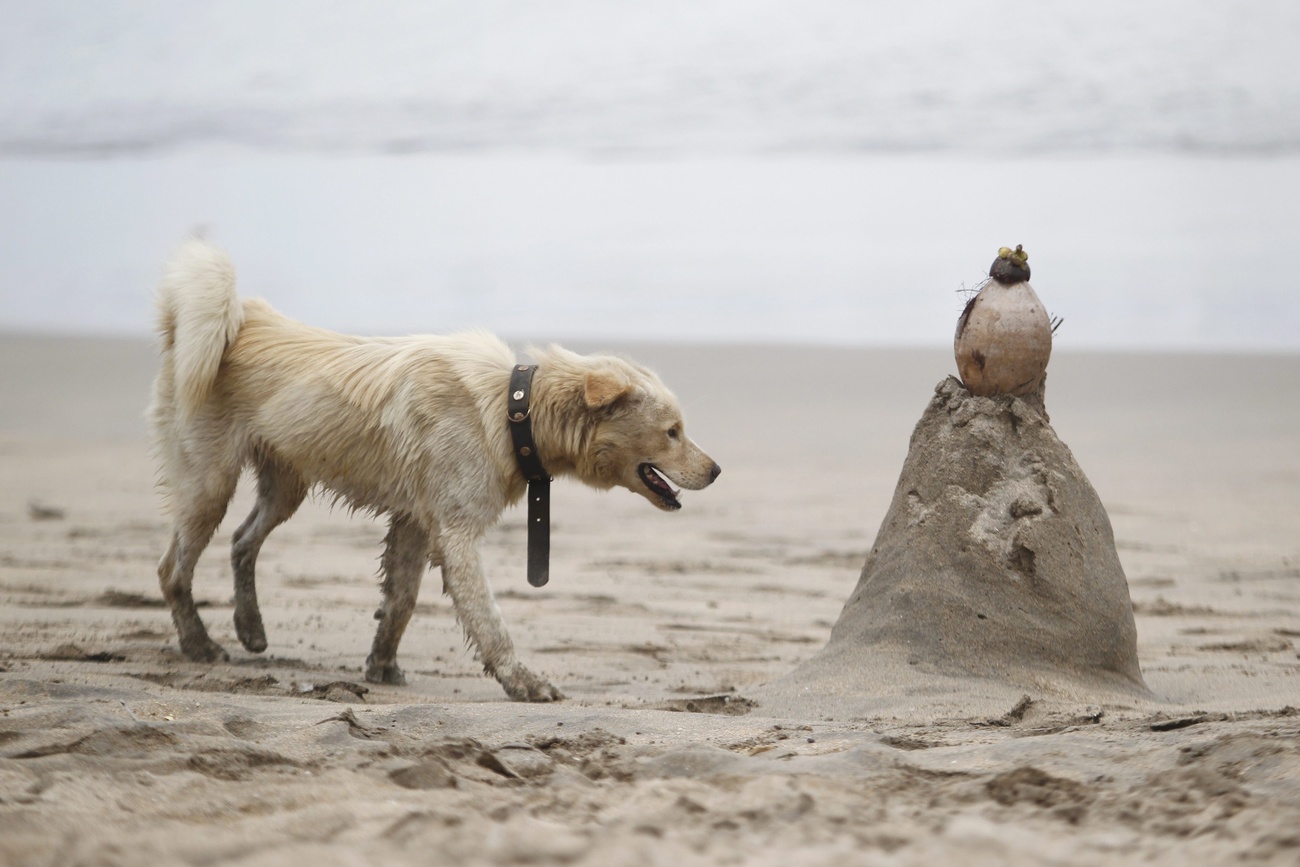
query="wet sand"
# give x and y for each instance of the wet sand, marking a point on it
(661, 629)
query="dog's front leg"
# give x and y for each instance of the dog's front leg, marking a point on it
(463, 579)
(406, 552)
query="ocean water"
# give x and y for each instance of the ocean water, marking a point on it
(1003, 76)
(1155, 251)
(819, 172)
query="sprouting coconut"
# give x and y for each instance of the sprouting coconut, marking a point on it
(1004, 336)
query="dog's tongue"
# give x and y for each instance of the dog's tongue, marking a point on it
(656, 478)
(659, 485)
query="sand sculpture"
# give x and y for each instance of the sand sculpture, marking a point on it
(995, 569)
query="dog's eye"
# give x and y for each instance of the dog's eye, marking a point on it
(673, 433)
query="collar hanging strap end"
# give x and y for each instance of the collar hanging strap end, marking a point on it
(539, 532)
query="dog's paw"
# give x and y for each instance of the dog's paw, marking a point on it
(204, 650)
(250, 631)
(522, 685)
(387, 673)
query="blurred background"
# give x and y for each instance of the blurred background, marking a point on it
(815, 172)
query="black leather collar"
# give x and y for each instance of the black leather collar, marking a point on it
(519, 413)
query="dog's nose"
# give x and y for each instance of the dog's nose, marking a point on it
(714, 473)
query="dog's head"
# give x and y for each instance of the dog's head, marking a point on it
(634, 434)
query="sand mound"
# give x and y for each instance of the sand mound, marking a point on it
(994, 574)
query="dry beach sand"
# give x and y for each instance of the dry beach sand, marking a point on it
(662, 630)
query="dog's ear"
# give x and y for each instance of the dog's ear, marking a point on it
(603, 388)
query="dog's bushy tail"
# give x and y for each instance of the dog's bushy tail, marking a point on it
(199, 313)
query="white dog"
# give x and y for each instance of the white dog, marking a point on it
(411, 427)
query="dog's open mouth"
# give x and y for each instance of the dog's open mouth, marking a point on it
(659, 486)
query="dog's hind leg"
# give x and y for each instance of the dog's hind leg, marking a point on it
(406, 555)
(463, 579)
(198, 509)
(280, 491)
